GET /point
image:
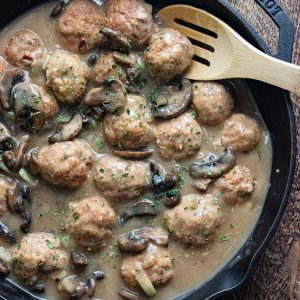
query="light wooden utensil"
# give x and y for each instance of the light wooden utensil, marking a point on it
(222, 53)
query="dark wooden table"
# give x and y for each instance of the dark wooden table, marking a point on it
(277, 275)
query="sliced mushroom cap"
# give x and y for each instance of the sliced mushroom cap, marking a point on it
(124, 59)
(137, 239)
(6, 234)
(67, 131)
(7, 82)
(7, 142)
(129, 294)
(111, 96)
(213, 166)
(79, 259)
(29, 106)
(139, 208)
(57, 9)
(114, 40)
(133, 154)
(173, 100)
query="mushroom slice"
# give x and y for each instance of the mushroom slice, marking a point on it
(133, 154)
(34, 162)
(7, 142)
(213, 166)
(29, 106)
(79, 259)
(173, 100)
(67, 131)
(8, 80)
(129, 294)
(124, 59)
(57, 9)
(6, 234)
(139, 208)
(137, 239)
(115, 40)
(111, 96)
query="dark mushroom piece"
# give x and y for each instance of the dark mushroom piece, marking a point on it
(4, 269)
(173, 198)
(67, 131)
(79, 259)
(129, 294)
(92, 59)
(91, 284)
(213, 166)
(139, 208)
(173, 100)
(99, 274)
(114, 40)
(137, 240)
(7, 82)
(38, 288)
(29, 106)
(57, 9)
(6, 234)
(133, 154)
(7, 142)
(80, 290)
(111, 96)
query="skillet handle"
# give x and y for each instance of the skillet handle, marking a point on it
(286, 28)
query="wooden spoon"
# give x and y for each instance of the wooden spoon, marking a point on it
(222, 53)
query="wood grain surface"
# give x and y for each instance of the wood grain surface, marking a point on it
(277, 275)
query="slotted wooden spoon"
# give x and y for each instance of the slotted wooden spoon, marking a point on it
(222, 53)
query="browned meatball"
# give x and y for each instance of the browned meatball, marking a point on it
(3, 65)
(194, 220)
(240, 132)
(236, 185)
(169, 54)
(67, 75)
(80, 25)
(64, 164)
(90, 222)
(178, 138)
(213, 102)
(50, 104)
(25, 49)
(38, 253)
(120, 179)
(131, 129)
(132, 18)
(155, 261)
(4, 187)
(106, 66)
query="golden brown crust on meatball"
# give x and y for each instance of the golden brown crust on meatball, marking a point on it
(90, 222)
(169, 54)
(212, 101)
(3, 65)
(120, 179)
(4, 187)
(156, 262)
(131, 129)
(67, 75)
(80, 25)
(132, 18)
(178, 138)
(25, 49)
(64, 164)
(38, 253)
(194, 220)
(240, 132)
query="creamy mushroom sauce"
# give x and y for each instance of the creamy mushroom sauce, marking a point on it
(191, 266)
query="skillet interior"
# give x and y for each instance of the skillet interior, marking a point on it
(275, 107)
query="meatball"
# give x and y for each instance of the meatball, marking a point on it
(106, 66)
(155, 261)
(67, 75)
(178, 138)
(120, 179)
(236, 185)
(25, 49)
(64, 164)
(4, 187)
(131, 129)
(3, 65)
(169, 54)
(240, 132)
(50, 104)
(131, 18)
(90, 223)
(194, 220)
(80, 25)
(36, 254)
(212, 101)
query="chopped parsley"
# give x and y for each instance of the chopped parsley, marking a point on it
(224, 238)
(50, 245)
(101, 145)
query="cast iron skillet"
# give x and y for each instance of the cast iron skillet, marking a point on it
(276, 109)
